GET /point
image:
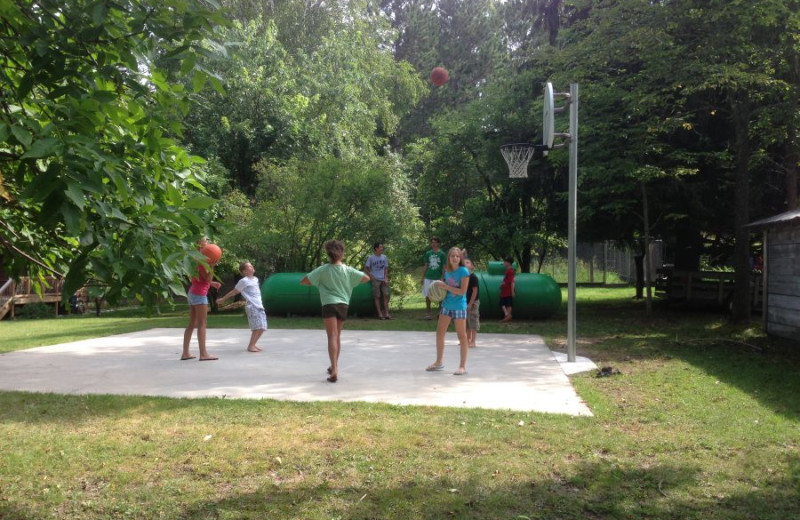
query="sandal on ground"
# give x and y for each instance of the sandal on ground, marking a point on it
(434, 368)
(332, 379)
(460, 372)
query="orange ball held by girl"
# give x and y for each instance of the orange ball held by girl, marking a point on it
(212, 252)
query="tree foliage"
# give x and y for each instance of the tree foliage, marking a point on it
(688, 128)
(331, 90)
(301, 205)
(95, 181)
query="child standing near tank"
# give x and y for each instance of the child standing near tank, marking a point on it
(335, 282)
(473, 305)
(254, 307)
(507, 289)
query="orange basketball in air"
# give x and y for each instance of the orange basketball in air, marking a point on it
(212, 252)
(439, 76)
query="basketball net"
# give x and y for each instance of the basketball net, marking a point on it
(517, 157)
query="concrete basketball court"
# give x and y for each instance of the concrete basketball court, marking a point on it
(512, 372)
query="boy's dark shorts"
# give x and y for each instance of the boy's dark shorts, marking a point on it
(335, 310)
(507, 301)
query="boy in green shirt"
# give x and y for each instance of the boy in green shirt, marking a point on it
(433, 264)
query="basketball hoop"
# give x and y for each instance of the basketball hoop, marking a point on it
(517, 157)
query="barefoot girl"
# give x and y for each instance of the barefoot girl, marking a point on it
(454, 307)
(198, 308)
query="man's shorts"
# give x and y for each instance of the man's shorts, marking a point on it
(426, 284)
(256, 317)
(380, 288)
(474, 316)
(196, 299)
(507, 301)
(455, 314)
(335, 310)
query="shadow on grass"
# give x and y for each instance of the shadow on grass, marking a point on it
(594, 491)
(770, 375)
(46, 408)
(766, 368)
(598, 490)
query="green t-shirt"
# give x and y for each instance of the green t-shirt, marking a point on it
(335, 282)
(434, 263)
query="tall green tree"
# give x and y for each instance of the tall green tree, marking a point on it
(302, 204)
(95, 182)
(730, 70)
(336, 90)
(463, 36)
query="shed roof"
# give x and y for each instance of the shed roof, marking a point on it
(776, 220)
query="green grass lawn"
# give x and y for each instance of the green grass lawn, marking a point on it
(703, 423)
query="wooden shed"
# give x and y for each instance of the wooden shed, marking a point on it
(781, 273)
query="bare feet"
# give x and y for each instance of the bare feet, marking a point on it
(253, 349)
(460, 372)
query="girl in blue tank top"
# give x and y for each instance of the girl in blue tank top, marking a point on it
(454, 308)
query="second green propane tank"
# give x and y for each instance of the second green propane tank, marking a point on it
(282, 293)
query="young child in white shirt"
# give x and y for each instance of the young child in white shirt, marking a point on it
(254, 307)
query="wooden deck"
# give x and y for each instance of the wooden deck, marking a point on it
(14, 293)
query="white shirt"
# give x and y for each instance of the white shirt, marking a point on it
(249, 288)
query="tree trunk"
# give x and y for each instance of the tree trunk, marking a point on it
(542, 258)
(525, 261)
(638, 261)
(741, 112)
(792, 154)
(647, 260)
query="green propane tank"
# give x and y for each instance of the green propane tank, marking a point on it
(282, 293)
(537, 295)
(498, 267)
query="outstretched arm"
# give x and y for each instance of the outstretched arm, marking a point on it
(232, 292)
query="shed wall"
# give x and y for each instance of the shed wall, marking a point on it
(783, 283)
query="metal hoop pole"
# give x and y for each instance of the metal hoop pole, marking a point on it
(572, 219)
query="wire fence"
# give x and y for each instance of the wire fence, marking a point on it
(602, 263)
